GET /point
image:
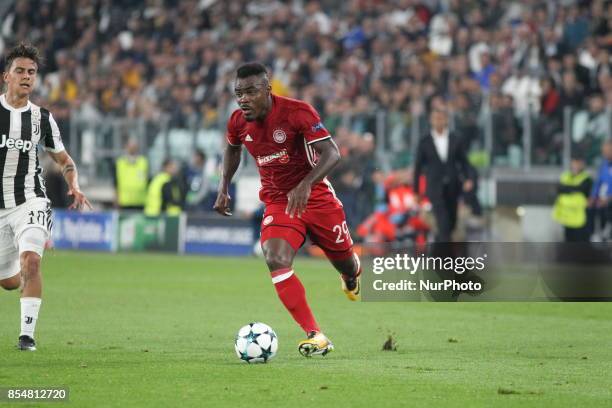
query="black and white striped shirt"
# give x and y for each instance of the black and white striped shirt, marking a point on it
(21, 130)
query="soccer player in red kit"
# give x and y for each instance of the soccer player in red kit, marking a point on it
(294, 154)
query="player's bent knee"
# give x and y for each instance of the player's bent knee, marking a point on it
(33, 240)
(278, 254)
(278, 261)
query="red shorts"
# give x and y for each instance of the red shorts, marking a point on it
(324, 225)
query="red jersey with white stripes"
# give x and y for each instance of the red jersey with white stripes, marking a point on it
(281, 145)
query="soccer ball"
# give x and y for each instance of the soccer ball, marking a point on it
(256, 343)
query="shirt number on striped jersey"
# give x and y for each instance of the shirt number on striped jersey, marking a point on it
(38, 217)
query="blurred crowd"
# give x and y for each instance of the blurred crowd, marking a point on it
(142, 58)
(483, 58)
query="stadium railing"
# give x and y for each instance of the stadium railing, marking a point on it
(537, 144)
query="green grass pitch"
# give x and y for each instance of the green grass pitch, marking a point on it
(157, 331)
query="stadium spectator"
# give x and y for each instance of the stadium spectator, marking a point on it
(466, 119)
(572, 92)
(576, 27)
(487, 68)
(507, 126)
(550, 101)
(570, 64)
(131, 177)
(399, 217)
(601, 194)
(548, 139)
(165, 195)
(525, 91)
(441, 158)
(591, 126)
(571, 206)
(351, 178)
(199, 197)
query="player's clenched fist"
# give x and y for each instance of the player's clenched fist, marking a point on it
(298, 199)
(222, 203)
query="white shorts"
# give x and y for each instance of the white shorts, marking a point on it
(34, 213)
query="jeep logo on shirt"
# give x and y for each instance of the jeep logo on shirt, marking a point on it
(18, 144)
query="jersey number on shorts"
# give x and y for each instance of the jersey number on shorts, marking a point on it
(41, 218)
(342, 230)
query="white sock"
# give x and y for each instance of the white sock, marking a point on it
(29, 315)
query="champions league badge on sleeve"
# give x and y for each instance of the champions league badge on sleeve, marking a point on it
(318, 126)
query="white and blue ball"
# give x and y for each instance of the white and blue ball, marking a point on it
(256, 343)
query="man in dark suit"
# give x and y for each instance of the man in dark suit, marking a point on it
(441, 158)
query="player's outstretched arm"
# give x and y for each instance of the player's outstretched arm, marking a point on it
(71, 176)
(328, 156)
(231, 161)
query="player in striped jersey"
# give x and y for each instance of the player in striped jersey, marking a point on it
(25, 213)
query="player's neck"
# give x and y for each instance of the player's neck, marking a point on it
(16, 101)
(268, 109)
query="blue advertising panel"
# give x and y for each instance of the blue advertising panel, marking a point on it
(216, 235)
(93, 231)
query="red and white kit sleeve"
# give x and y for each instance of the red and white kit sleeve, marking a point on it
(232, 135)
(309, 123)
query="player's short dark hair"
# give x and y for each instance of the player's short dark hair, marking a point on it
(22, 51)
(250, 69)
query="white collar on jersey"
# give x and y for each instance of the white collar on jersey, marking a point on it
(6, 105)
